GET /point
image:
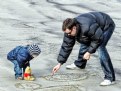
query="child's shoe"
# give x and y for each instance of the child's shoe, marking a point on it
(19, 78)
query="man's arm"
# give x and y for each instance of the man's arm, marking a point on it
(66, 48)
(96, 40)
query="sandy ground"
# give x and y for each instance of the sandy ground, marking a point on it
(39, 21)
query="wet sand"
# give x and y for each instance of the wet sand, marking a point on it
(39, 21)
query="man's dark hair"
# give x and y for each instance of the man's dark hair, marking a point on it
(68, 23)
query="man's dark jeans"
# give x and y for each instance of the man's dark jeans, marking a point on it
(104, 57)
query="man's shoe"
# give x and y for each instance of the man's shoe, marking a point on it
(72, 66)
(106, 83)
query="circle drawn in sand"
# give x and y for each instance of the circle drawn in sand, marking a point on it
(67, 77)
(65, 88)
(28, 86)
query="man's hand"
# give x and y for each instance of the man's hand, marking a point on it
(87, 56)
(56, 68)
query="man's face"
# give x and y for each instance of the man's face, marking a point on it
(71, 32)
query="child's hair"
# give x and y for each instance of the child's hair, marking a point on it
(34, 49)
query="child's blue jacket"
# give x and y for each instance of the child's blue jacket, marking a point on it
(21, 54)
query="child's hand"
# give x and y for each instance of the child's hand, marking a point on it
(26, 62)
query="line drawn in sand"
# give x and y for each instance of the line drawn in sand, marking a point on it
(65, 88)
(67, 77)
(28, 86)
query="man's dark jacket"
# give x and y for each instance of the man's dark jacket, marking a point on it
(90, 32)
(21, 54)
